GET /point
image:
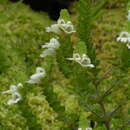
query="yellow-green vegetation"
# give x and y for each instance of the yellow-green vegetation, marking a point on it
(59, 101)
(22, 34)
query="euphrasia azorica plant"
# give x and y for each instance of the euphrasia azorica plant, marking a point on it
(61, 26)
(99, 104)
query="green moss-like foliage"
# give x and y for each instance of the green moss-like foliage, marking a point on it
(70, 96)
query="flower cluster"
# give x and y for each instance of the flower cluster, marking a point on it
(61, 26)
(16, 96)
(66, 27)
(50, 47)
(83, 60)
(125, 36)
(34, 79)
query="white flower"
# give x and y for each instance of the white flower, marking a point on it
(128, 15)
(83, 60)
(79, 128)
(66, 27)
(86, 128)
(128, 45)
(48, 52)
(13, 88)
(54, 43)
(61, 25)
(36, 78)
(16, 96)
(76, 57)
(124, 37)
(86, 62)
(53, 28)
(51, 47)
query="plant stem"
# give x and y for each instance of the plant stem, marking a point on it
(107, 124)
(102, 107)
(116, 109)
(101, 104)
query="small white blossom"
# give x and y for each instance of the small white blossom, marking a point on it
(86, 128)
(36, 78)
(53, 28)
(76, 57)
(66, 27)
(86, 62)
(124, 37)
(16, 96)
(13, 88)
(54, 43)
(61, 25)
(128, 15)
(51, 48)
(48, 52)
(128, 45)
(83, 60)
(79, 128)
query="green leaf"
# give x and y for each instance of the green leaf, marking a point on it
(84, 27)
(65, 51)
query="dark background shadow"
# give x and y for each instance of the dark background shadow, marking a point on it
(53, 7)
